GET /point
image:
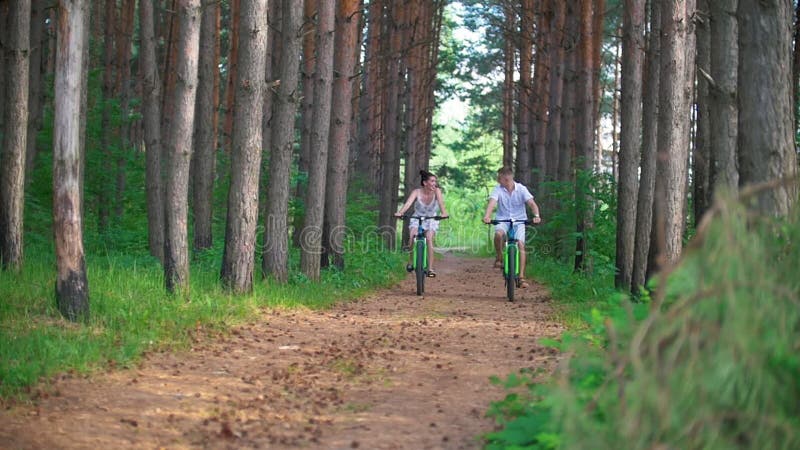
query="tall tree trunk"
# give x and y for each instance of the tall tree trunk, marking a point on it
(553, 138)
(205, 129)
(276, 232)
(390, 158)
(106, 129)
(345, 55)
(675, 94)
(315, 197)
(12, 169)
(701, 156)
(647, 178)
(633, 26)
(233, 67)
(307, 114)
(370, 146)
(124, 38)
(585, 138)
(523, 166)
(723, 111)
(151, 115)
(541, 83)
(766, 132)
(72, 287)
(508, 84)
(796, 67)
(240, 229)
(35, 98)
(178, 147)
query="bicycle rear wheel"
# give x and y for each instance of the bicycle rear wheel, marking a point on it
(419, 266)
(511, 272)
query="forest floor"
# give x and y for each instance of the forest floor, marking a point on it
(390, 371)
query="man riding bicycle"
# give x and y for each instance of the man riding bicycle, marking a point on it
(510, 199)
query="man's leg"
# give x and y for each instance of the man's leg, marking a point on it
(499, 239)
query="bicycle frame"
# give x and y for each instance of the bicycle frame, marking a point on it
(419, 258)
(511, 258)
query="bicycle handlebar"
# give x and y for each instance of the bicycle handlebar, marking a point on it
(511, 221)
(423, 217)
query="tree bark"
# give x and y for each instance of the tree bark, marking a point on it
(647, 178)
(630, 137)
(370, 147)
(205, 129)
(35, 98)
(233, 67)
(240, 229)
(151, 116)
(553, 139)
(306, 113)
(105, 155)
(276, 232)
(72, 287)
(541, 83)
(315, 197)
(585, 139)
(766, 131)
(701, 155)
(723, 108)
(508, 84)
(12, 169)
(348, 20)
(677, 70)
(179, 148)
(523, 166)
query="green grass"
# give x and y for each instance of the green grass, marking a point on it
(132, 314)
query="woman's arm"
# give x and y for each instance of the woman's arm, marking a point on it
(408, 202)
(440, 199)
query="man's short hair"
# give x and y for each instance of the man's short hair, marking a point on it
(503, 171)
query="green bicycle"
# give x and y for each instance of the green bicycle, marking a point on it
(419, 255)
(511, 269)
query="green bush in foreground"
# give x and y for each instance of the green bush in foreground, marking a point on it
(714, 364)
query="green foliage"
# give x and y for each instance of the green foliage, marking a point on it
(711, 362)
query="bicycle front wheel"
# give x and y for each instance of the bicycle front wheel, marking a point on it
(419, 266)
(511, 271)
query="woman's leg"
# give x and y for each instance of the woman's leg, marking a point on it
(429, 237)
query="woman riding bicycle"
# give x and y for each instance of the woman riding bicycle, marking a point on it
(510, 198)
(428, 201)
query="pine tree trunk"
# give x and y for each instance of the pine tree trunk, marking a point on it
(766, 130)
(124, 38)
(345, 55)
(35, 97)
(276, 232)
(647, 178)
(12, 169)
(104, 177)
(205, 129)
(240, 230)
(151, 116)
(557, 51)
(72, 287)
(701, 156)
(508, 84)
(675, 102)
(233, 67)
(585, 138)
(315, 197)
(541, 83)
(178, 146)
(523, 166)
(370, 146)
(723, 109)
(630, 137)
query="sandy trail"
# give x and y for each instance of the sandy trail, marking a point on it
(391, 371)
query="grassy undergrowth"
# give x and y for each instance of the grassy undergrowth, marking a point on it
(131, 313)
(711, 361)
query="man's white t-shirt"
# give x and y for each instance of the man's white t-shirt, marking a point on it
(511, 205)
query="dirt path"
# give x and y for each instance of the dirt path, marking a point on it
(393, 371)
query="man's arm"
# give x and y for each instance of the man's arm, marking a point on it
(489, 209)
(535, 208)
